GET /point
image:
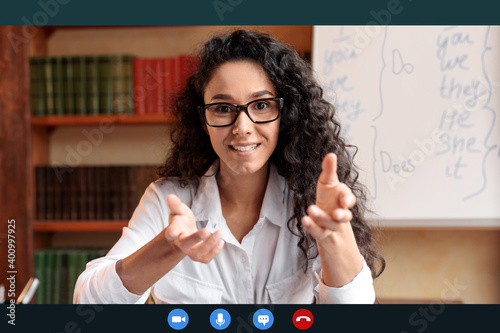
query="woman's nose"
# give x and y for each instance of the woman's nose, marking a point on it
(243, 124)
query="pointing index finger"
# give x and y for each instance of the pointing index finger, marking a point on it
(328, 174)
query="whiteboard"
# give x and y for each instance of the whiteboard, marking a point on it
(421, 103)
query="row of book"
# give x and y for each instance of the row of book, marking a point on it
(156, 80)
(58, 269)
(105, 84)
(90, 192)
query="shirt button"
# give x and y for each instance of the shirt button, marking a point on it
(243, 259)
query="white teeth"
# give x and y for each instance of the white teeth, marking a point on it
(245, 148)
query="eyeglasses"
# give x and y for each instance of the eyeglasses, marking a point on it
(260, 111)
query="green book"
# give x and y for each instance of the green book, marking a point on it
(64, 277)
(82, 261)
(34, 85)
(92, 84)
(68, 88)
(58, 269)
(72, 274)
(118, 93)
(105, 85)
(36, 88)
(49, 276)
(40, 274)
(80, 84)
(49, 86)
(129, 85)
(58, 78)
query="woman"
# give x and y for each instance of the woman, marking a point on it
(259, 201)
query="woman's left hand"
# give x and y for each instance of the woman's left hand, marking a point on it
(329, 223)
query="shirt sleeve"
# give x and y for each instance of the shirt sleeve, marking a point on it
(99, 283)
(359, 291)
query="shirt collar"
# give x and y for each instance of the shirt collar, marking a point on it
(206, 204)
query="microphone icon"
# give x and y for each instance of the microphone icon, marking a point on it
(220, 319)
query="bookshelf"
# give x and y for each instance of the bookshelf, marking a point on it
(75, 226)
(31, 138)
(54, 121)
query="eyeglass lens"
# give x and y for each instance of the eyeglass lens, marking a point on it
(221, 114)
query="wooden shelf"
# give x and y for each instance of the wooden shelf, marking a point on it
(77, 226)
(151, 119)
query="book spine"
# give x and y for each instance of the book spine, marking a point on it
(64, 277)
(57, 189)
(49, 276)
(91, 215)
(139, 90)
(105, 86)
(187, 64)
(123, 187)
(92, 67)
(118, 92)
(131, 190)
(69, 90)
(57, 297)
(58, 76)
(128, 85)
(80, 84)
(74, 191)
(175, 77)
(148, 85)
(49, 86)
(72, 274)
(41, 91)
(81, 175)
(115, 208)
(98, 195)
(166, 83)
(82, 261)
(64, 194)
(49, 186)
(156, 85)
(105, 192)
(40, 274)
(36, 92)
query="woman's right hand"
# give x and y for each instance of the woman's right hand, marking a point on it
(199, 245)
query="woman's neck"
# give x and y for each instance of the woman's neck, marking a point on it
(243, 190)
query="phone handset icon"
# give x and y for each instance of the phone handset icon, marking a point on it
(303, 319)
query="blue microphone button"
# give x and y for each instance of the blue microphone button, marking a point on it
(220, 319)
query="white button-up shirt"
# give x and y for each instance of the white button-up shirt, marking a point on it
(267, 267)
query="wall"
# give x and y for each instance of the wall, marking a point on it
(425, 264)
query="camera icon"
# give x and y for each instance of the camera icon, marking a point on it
(178, 319)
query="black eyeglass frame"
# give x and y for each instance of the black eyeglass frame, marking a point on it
(280, 100)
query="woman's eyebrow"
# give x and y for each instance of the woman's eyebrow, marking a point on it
(261, 93)
(221, 96)
(256, 94)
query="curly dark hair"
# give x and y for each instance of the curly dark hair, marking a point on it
(308, 131)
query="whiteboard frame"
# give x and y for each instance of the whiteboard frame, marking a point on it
(482, 224)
